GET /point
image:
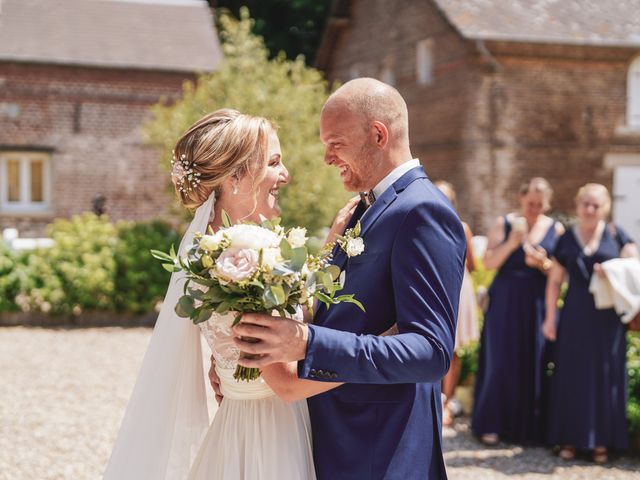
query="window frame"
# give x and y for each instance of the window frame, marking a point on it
(633, 94)
(25, 205)
(424, 51)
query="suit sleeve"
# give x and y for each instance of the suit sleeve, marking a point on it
(427, 263)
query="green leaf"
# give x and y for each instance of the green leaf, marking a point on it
(226, 219)
(203, 315)
(298, 259)
(278, 294)
(237, 319)
(172, 252)
(196, 293)
(356, 229)
(185, 306)
(348, 299)
(161, 256)
(286, 250)
(170, 267)
(291, 309)
(334, 271)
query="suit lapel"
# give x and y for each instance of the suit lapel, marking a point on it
(339, 257)
(389, 196)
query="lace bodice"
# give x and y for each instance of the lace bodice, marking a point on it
(217, 333)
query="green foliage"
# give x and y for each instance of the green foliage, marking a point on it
(633, 372)
(9, 279)
(82, 259)
(93, 265)
(292, 26)
(141, 281)
(286, 91)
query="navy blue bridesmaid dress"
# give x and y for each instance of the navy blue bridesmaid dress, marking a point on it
(509, 379)
(589, 384)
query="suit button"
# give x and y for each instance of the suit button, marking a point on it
(327, 375)
(312, 372)
(320, 373)
(334, 376)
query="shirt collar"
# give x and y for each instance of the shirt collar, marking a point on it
(394, 175)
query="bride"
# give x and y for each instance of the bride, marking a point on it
(232, 162)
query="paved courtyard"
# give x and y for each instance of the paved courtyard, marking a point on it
(63, 393)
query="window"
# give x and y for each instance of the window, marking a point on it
(25, 182)
(388, 76)
(424, 62)
(633, 94)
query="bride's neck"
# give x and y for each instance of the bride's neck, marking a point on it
(237, 213)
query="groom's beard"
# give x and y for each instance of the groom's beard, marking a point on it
(368, 161)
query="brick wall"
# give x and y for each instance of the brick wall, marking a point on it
(496, 114)
(91, 119)
(547, 111)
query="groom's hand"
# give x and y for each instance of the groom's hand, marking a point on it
(278, 340)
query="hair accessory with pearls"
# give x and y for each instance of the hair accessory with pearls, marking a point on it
(184, 177)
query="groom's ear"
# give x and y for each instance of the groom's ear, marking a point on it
(380, 134)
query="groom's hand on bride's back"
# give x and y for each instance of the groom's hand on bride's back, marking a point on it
(215, 380)
(278, 340)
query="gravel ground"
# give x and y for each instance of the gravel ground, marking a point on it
(63, 393)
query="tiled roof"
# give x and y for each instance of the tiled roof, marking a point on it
(175, 35)
(579, 22)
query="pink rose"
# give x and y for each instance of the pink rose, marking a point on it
(236, 264)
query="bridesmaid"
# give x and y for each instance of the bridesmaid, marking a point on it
(508, 384)
(467, 327)
(588, 395)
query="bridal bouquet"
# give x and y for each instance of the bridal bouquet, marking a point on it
(246, 268)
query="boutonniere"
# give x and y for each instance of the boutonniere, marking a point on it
(351, 242)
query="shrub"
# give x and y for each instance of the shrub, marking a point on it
(140, 280)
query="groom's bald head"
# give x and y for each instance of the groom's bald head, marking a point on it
(372, 100)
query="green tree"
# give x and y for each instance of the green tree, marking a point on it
(291, 26)
(286, 91)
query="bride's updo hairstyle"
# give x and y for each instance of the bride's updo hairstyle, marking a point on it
(221, 145)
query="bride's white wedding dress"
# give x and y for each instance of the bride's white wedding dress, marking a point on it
(254, 435)
(165, 433)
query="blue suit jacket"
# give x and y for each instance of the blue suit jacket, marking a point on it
(385, 422)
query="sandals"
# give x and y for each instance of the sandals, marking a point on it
(490, 439)
(600, 455)
(567, 453)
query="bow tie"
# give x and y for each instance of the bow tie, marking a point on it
(367, 198)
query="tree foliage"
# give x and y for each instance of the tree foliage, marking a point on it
(286, 91)
(291, 26)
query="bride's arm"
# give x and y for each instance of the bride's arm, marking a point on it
(283, 380)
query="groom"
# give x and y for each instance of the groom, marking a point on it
(385, 421)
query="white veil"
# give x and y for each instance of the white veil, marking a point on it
(167, 415)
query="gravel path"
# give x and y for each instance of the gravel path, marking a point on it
(63, 394)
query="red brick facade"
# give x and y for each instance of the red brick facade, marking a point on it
(90, 120)
(496, 113)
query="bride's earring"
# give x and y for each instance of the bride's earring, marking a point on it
(235, 190)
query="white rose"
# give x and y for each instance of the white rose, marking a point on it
(251, 236)
(210, 243)
(271, 258)
(297, 237)
(355, 246)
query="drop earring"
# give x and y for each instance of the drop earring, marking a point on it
(235, 190)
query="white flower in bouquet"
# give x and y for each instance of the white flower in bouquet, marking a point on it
(251, 236)
(297, 237)
(271, 258)
(210, 243)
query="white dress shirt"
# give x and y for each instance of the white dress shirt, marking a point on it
(394, 175)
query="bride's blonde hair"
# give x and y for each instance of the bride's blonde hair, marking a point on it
(222, 144)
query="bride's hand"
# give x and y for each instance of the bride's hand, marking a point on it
(342, 220)
(215, 381)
